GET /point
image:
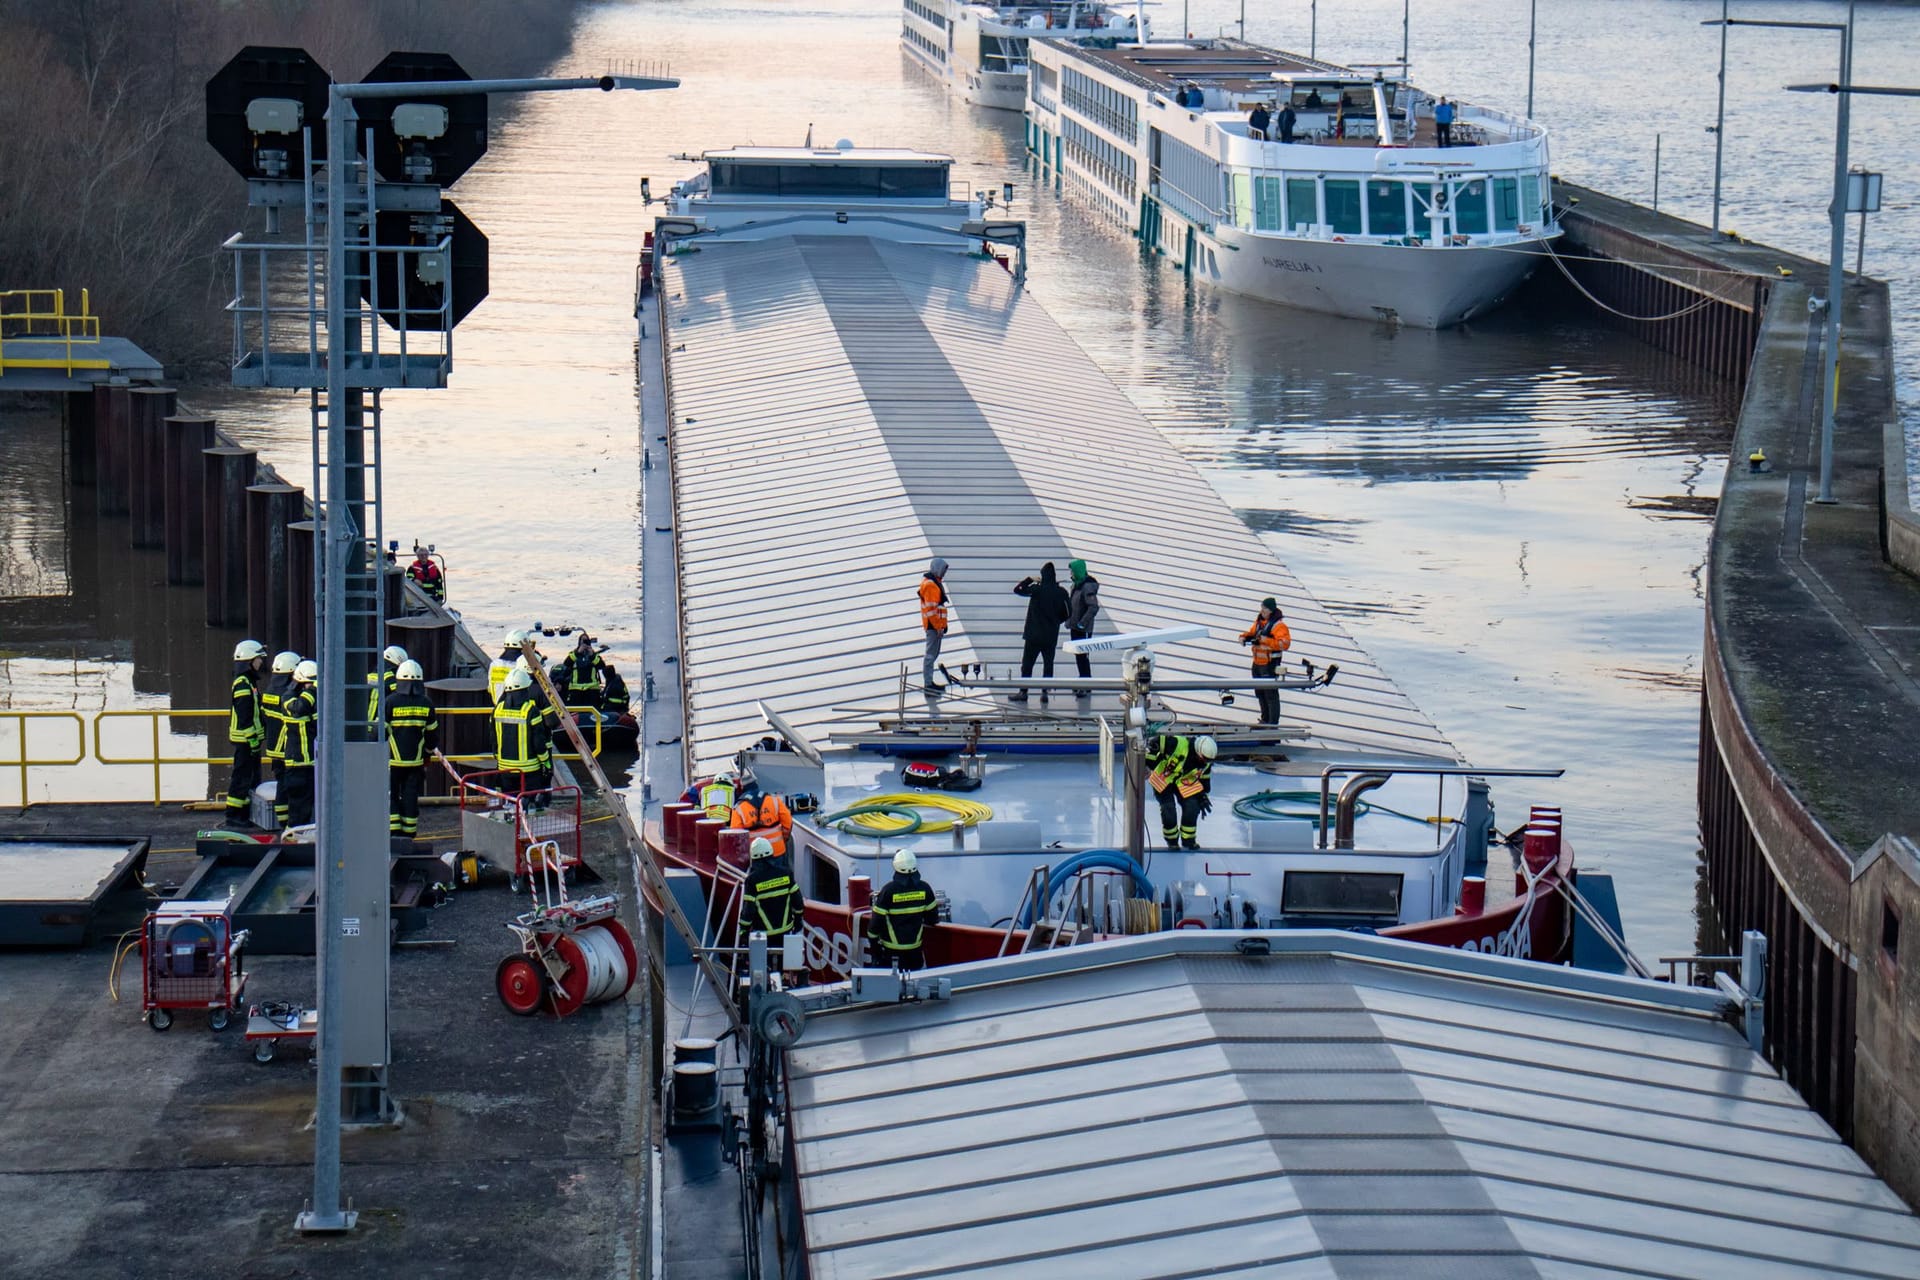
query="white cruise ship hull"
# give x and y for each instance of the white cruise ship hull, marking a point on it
(1424, 287)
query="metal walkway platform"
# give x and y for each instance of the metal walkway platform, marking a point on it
(844, 409)
(54, 364)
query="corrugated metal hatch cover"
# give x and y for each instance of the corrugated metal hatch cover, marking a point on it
(1307, 1115)
(844, 410)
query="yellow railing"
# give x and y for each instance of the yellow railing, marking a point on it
(155, 760)
(36, 320)
(26, 760)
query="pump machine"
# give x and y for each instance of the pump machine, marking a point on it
(191, 958)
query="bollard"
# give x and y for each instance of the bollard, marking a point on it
(185, 483)
(734, 845)
(270, 509)
(460, 735)
(670, 823)
(110, 449)
(80, 446)
(300, 634)
(226, 472)
(428, 640)
(149, 409)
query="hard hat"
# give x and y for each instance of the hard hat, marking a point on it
(760, 848)
(727, 776)
(410, 670)
(905, 863)
(307, 672)
(517, 679)
(515, 639)
(284, 662)
(248, 650)
(521, 664)
(1206, 746)
(395, 654)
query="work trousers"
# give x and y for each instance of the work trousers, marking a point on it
(403, 798)
(1179, 817)
(245, 777)
(932, 657)
(908, 958)
(293, 801)
(1269, 698)
(1080, 660)
(1041, 650)
(1446, 133)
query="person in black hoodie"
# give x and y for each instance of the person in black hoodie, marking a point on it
(1046, 610)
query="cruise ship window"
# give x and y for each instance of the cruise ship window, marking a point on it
(1530, 196)
(1267, 213)
(1423, 210)
(1303, 202)
(1386, 208)
(1506, 203)
(1343, 206)
(1470, 208)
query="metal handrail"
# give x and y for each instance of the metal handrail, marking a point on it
(599, 733)
(82, 327)
(156, 760)
(27, 761)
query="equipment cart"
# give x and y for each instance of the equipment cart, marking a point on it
(268, 1024)
(190, 958)
(516, 829)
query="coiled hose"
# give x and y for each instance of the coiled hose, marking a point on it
(899, 815)
(1088, 860)
(1267, 806)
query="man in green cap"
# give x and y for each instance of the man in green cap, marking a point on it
(1270, 639)
(1083, 603)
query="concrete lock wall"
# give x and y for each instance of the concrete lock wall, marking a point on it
(1886, 939)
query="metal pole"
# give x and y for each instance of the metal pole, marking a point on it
(1313, 31)
(1860, 249)
(324, 1214)
(1533, 31)
(1836, 265)
(1720, 119)
(1656, 173)
(1406, 34)
(1753, 980)
(1243, 19)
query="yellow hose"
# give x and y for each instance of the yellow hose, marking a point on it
(966, 813)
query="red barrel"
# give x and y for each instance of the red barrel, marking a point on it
(1540, 848)
(734, 845)
(683, 827)
(706, 838)
(670, 823)
(1473, 896)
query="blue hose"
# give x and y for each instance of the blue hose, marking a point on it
(1088, 859)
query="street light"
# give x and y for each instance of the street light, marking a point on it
(1837, 250)
(1533, 30)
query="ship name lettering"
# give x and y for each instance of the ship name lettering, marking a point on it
(1291, 264)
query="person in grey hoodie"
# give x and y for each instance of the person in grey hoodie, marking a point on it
(1083, 603)
(933, 620)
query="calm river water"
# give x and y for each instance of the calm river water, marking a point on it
(1512, 516)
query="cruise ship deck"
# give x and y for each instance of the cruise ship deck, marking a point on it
(844, 409)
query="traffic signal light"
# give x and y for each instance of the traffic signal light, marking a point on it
(257, 105)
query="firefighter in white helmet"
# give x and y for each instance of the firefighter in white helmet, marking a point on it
(512, 648)
(1180, 771)
(771, 902)
(902, 914)
(391, 659)
(246, 731)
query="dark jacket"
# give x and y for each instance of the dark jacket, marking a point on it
(902, 911)
(1046, 607)
(1083, 605)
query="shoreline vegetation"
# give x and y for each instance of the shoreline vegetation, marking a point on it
(111, 186)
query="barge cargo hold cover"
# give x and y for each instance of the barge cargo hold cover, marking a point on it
(845, 407)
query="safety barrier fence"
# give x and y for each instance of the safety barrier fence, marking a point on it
(45, 335)
(26, 746)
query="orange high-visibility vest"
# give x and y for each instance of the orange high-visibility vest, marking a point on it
(1271, 639)
(933, 605)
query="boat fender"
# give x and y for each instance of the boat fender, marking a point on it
(1192, 922)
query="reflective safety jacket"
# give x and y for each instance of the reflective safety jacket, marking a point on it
(902, 911)
(299, 720)
(520, 741)
(392, 678)
(243, 719)
(716, 797)
(413, 728)
(768, 816)
(771, 902)
(272, 695)
(427, 576)
(1173, 762)
(582, 673)
(1271, 639)
(614, 696)
(933, 605)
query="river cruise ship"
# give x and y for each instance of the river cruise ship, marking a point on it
(979, 50)
(1363, 204)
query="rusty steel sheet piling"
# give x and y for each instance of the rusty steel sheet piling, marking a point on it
(187, 438)
(428, 640)
(110, 408)
(149, 409)
(78, 415)
(227, 472)
(300, 619)
(270, 509)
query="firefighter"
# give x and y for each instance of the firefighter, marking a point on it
(425, 574)
(582, 671)
(521, 742)
(1270, 638)
(771, 902)
(279, 685)
(511, 652)
(1181, 775)
(245, 730)
(413, 731)
(614, 698)
(902, 913)
(299, 713)
(391, 657)
(717, 795)
(766, 816)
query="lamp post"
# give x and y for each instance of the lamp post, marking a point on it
(1836, 268)
(1720, 117)
(1533, 32)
